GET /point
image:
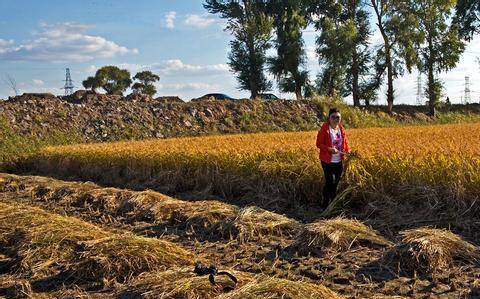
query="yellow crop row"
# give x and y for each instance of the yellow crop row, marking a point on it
(437, 155)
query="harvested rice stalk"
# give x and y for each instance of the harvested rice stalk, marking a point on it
(273, 288)
(179, 284)
(122, 256)
(430, 250)
(252, 222)
(338, 234)
(144, 206)
(204, 214)
(50, 244)
(198, 214)
(13, 287)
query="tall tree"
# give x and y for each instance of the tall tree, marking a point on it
(145, 83)
(343, 48)
(331, 49)
(397, 52)
(288, 64)
(441, 47)
(251, 28)
(113, 79)
(468, 17)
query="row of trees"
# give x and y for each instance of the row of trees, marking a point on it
(428, 35)
(114, 80)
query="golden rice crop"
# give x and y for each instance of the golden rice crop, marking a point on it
(278, 164)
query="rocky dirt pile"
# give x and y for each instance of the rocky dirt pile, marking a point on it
(99, 117)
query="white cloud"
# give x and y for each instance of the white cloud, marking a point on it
(170, 19)
(64, 42)
(199, 21)
(176, 67)
(6, 42)
(38, 82)
(311, 53)
(185, 87)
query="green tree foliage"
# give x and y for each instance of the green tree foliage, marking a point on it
(113, 79)
(397, 52)
(91, 83)
(343, 49)
(288, 64)
(145, 84)
(468, 17)
(441, 47)
(251, 29)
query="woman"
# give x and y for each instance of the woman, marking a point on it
(333, 147)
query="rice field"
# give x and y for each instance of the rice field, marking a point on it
(139, 214)
(283, 166)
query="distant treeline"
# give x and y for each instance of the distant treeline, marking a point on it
(427, 35)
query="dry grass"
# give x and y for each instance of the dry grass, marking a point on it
(336, 234)
(273, 288)
(253, 222)
(14, 287)
(179, 284)
(44, 244)
(429, 250)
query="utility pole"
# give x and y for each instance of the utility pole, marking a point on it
(467, 97)
(419, 90)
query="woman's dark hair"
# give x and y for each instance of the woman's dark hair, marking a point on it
(332, 111)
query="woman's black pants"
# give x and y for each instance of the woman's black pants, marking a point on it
(332, 173)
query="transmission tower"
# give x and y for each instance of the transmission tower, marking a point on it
(68, 87)
(419, 90)
(467, 97)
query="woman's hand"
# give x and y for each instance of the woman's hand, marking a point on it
(333, 150)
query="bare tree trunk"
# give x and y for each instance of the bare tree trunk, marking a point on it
(389, 80)
(432, 96)
(388, 54)
(355, 92)
(298, 91)
(11, 83)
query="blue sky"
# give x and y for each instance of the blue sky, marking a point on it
(177, 39)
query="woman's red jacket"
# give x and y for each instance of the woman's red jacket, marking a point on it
(324, 141)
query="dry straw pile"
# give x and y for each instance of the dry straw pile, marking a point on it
(121, 204)
(44, 244)
(276, 288)
(429, 250)
(179, 284)
(336, 234)
(254, 222)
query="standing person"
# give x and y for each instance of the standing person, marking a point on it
(333, 146)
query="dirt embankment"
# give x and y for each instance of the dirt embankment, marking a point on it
(98, 117)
